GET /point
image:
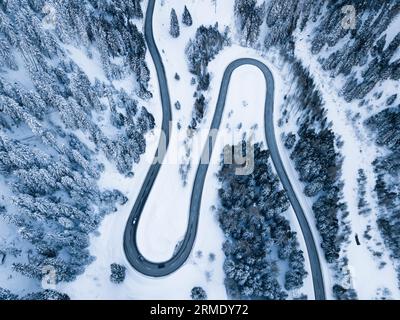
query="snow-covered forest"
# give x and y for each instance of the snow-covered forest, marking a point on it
(60, 122)
(354, 48)
(260, 247)
(81, 101)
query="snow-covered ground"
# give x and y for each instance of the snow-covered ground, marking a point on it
(163, 222)
(162, 226)
(9, 279)
(359, 152)
(164, 219)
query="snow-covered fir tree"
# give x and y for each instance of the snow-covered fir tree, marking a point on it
(174, 30)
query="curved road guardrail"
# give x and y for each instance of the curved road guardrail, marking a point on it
(158, 269)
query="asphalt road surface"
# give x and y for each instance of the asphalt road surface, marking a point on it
(182, 252)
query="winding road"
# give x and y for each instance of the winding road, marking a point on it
(158, 269)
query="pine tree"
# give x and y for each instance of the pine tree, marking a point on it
(250, 18)
(186, 17)
(118, 273)
(51, 174)
(137, 10)
(174, 26)
(198, 293)
(47, 294)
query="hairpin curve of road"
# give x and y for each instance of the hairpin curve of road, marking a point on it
(159, 269)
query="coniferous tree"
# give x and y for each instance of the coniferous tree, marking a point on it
(198, 293)
(52, 173)
(186, 17)
(117, 273)
(250, 216)
(174, 25)
(7, 295)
